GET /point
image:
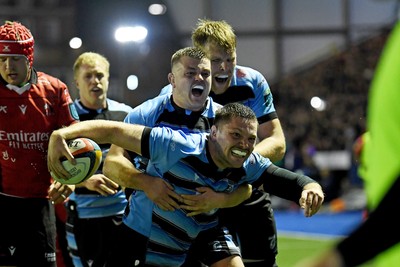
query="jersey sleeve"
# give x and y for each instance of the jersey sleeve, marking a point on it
(254, 167)
(147, 112)
(167, 147)
(67, 110)
(166, 89)
(263, 105)
(284, 183)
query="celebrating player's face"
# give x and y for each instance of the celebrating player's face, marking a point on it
(222, 66)
(234, 142)
(191, 82)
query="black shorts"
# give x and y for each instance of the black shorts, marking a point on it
(211, 246)
(90, 239)
(253, 225)
(129, 249)
(27, 232)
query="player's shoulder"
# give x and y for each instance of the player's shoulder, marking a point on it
(250, 77)
(166, 89)
(178, 135)
(212, 105)
(149, 110)
(155, 102)
(48, 84)
(245, 72)
(116, 105)
(256, 161)
(42, 78)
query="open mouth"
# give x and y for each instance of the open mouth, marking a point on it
(221, 78)
(197, 90)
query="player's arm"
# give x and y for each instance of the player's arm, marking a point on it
(272, 142)
(208, 199)
(295, 187)
(119, 167)
(125, 135)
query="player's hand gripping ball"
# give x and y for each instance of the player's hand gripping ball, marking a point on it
(88, 156)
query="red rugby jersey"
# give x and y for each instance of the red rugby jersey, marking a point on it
(26, 122)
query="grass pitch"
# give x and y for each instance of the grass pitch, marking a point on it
(293, 249)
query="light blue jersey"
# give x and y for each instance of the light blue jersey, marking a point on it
(183, 160)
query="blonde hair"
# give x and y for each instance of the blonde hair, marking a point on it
(214, 31)
(90, 59)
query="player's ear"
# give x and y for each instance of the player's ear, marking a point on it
(171, 79)
(213, 132)
(76, 83)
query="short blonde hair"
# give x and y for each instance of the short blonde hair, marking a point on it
(90, 59)
(214, 31)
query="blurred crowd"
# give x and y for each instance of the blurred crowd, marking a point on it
(343, 82)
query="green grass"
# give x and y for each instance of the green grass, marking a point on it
(293, 249)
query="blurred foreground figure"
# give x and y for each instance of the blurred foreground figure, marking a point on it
(378, 237)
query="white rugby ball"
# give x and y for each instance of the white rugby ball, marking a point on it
(88, 156)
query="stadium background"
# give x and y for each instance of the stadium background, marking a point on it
(305, 48)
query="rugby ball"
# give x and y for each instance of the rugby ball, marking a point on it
(88, 156)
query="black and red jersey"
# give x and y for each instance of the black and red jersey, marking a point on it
(26, 122)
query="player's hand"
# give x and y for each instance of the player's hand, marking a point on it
(162, 194)
(59, 193)
(206, 201)
(58, 149)
(311, 199)
(101, 184)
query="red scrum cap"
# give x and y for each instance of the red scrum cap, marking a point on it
(16, 40)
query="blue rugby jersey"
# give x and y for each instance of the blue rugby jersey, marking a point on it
(183, 160)
(249, 87)
(90, 204)
(161, 111)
